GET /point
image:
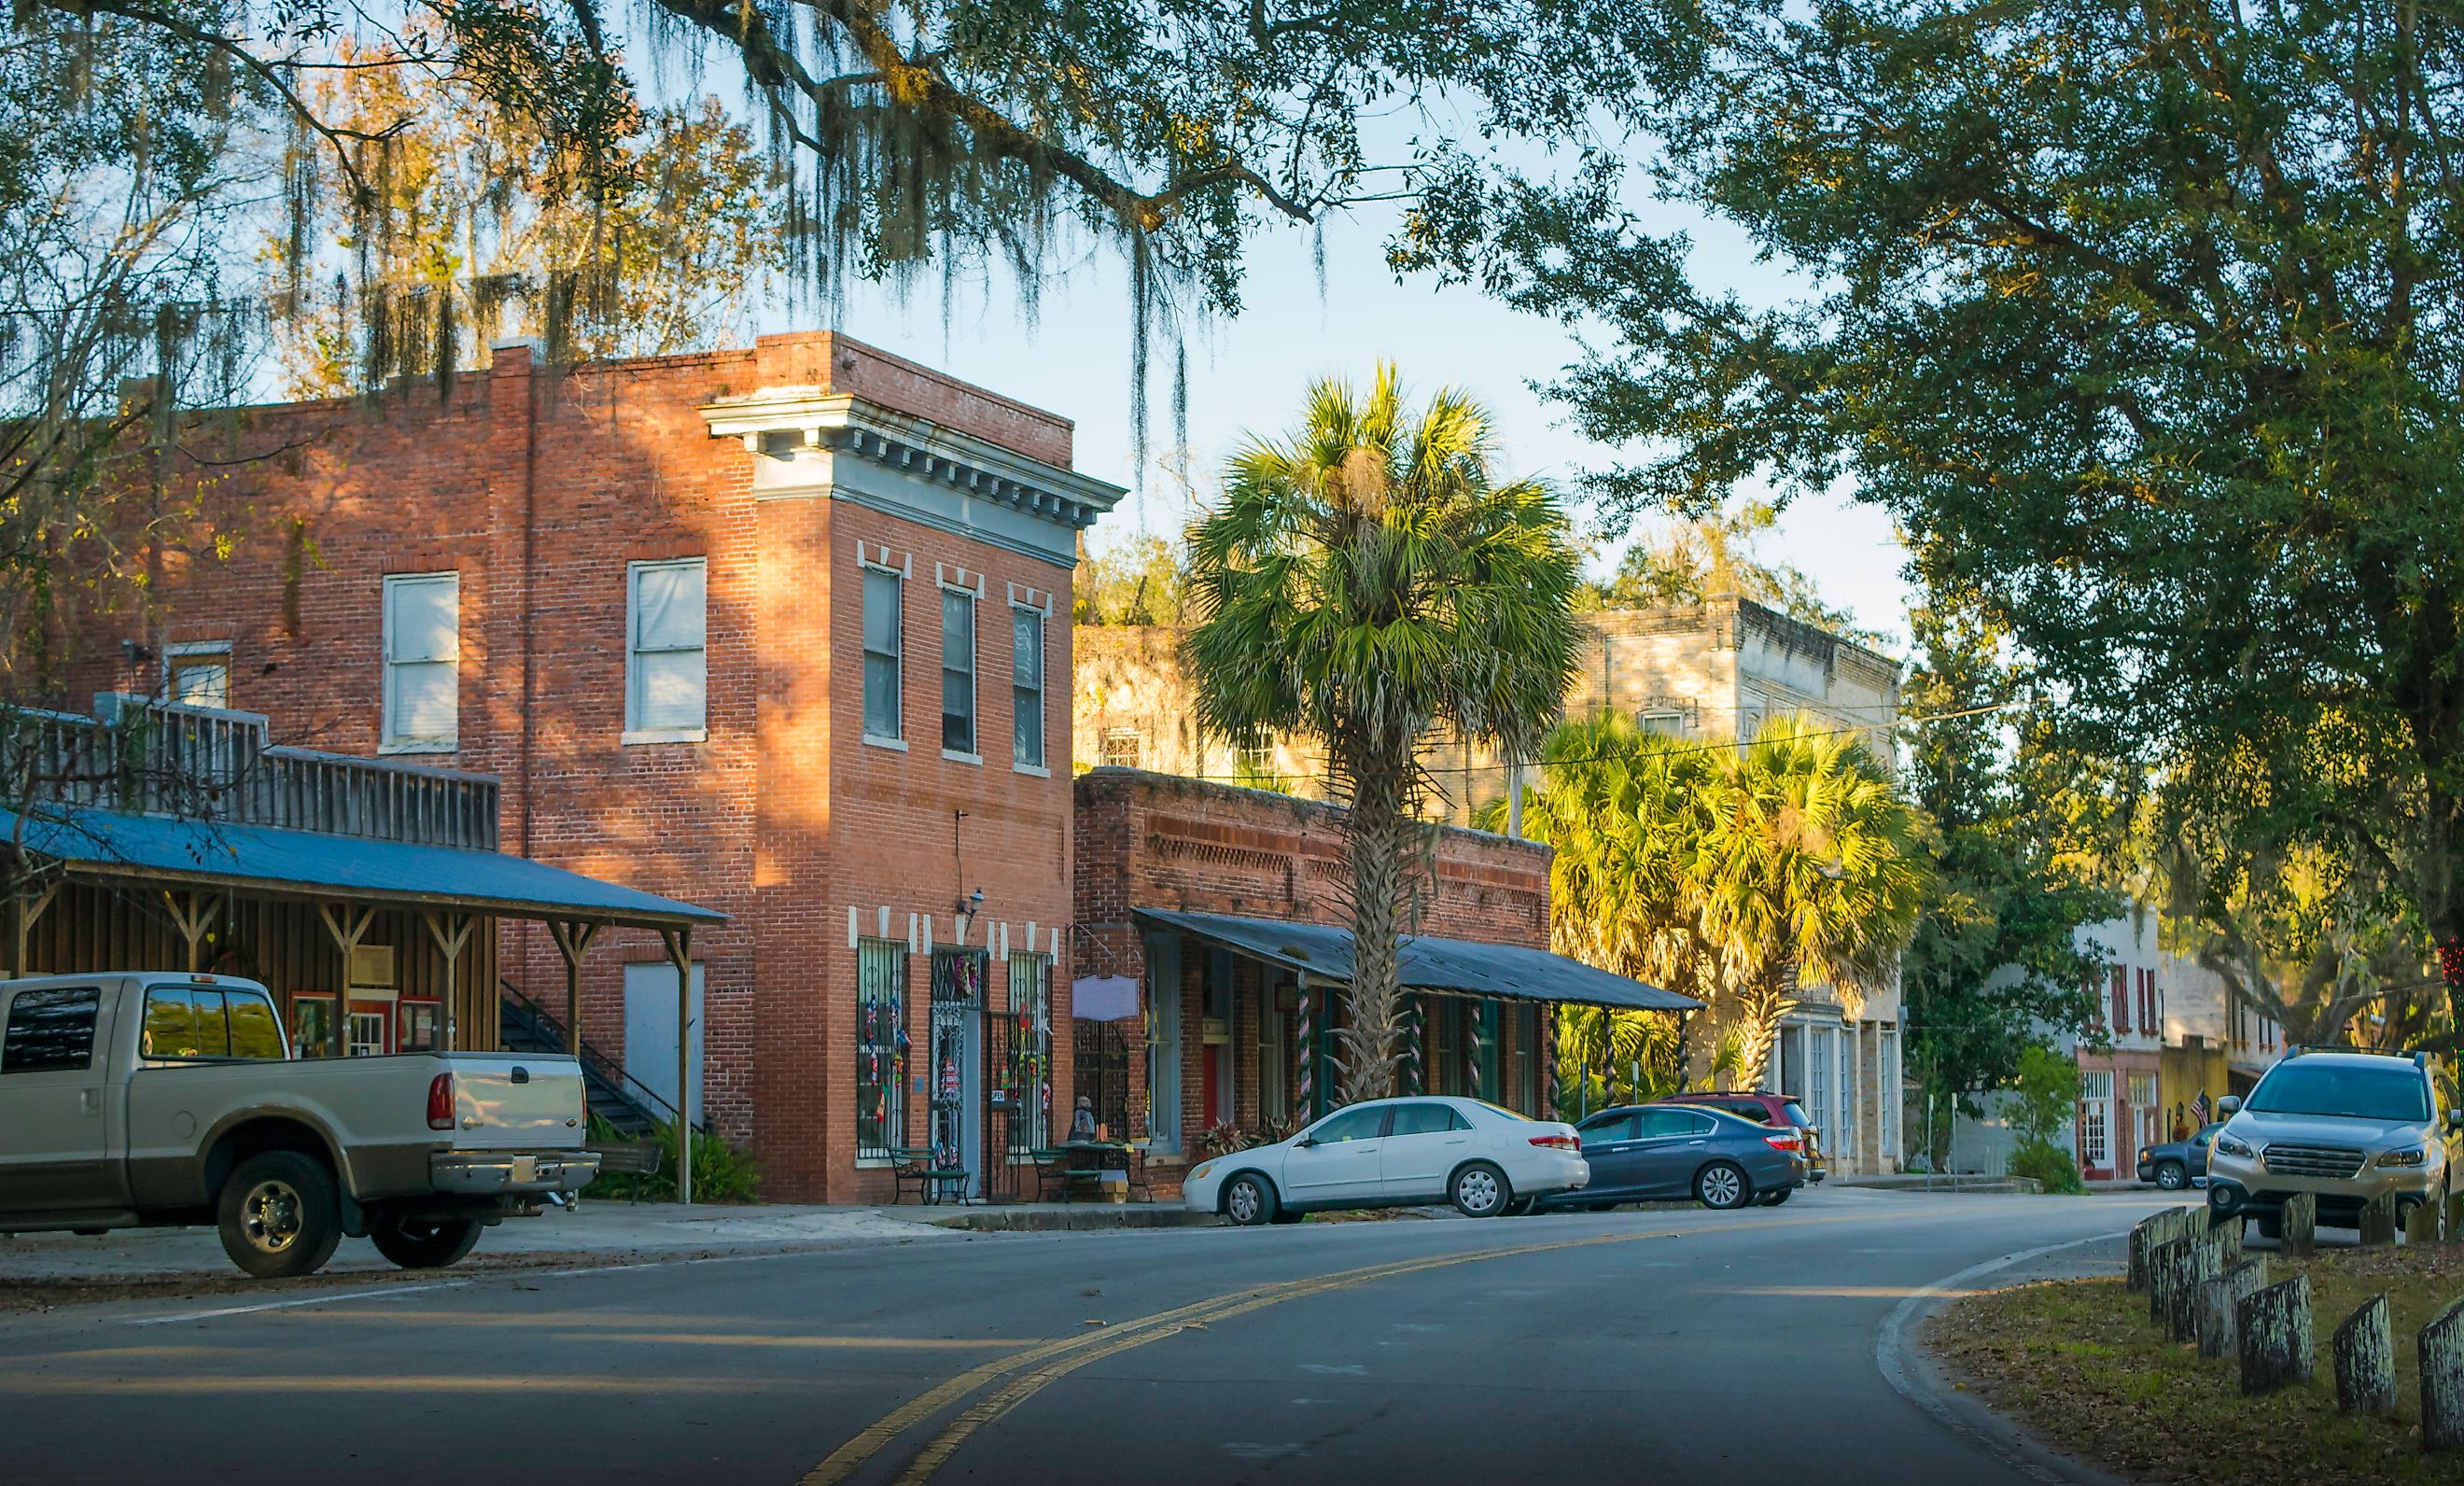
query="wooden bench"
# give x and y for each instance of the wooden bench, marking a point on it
(635, 1158)
(1053, 1165)
(919, 1163)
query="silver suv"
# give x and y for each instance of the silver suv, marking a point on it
(2344, 1126)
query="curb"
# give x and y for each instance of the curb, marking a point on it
(1093, 1218)
(1913, 1376)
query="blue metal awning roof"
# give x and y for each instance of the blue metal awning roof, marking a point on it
(1427, 963)
(313, 864)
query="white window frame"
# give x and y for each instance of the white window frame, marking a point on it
(388, 740)
(1135, 737)
(1041, 766)
(1668, 721)
(199, 654)
(974, 674)
(2095, 1125)
(634, 649)
(897, 741)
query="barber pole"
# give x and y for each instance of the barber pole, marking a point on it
(1471, 1052)
(1308, 1056)
(1416, 1021)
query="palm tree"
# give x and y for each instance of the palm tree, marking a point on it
(1809, 864)
(1362, 582)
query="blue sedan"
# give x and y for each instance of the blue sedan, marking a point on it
(1652, 1151)
(2179, 1164)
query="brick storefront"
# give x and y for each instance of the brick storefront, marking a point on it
(1159, 841)
(786, 472)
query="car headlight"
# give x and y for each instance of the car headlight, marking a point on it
(2228, 1145)
(2410, 1156)
(1204, 1167)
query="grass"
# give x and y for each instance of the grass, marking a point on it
(2080, 1362)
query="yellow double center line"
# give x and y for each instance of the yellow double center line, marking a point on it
(1039, 1366)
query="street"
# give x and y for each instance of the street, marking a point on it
(1633, 1345)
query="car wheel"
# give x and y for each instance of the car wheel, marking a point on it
(1480, 1190)
(1284, 1216)
(2171, 1176)
(1249, 1199)
(416, 1245)
(278, 1215)
(2270, 1224)
(1773, 1199)
(1599, 1207)
(1723, 1184)
(1521, 1206)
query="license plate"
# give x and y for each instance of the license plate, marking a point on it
(525, 1168)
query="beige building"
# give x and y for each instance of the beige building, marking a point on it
(1713, 671)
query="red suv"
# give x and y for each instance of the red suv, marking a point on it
(1765, 1109)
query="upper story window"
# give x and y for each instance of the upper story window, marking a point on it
(1124, 747)
(200, 673)
(958, 673)
(1026, 688)
(423, 663)
(1667, 721)
(884, 591)
(666, 651)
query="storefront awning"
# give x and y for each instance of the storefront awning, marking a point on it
(161, 849)
(1427, 963)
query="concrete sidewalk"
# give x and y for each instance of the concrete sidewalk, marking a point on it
(600, 1231)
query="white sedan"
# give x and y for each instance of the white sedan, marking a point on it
(1386, 1153)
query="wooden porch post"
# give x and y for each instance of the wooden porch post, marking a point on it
(29, 907)
(347, 931)
(573, 936)
(679, 942)
(451, 931)
(194, 914)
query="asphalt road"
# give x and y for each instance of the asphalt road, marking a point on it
(1630, 1346)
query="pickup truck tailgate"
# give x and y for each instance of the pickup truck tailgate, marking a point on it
(512, 1101)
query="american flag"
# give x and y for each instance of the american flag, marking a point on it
(2199, 1108)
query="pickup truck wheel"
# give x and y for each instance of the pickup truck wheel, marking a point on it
(424, 1245)
(278, 1215)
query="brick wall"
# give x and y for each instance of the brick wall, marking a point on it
(1148, 840)
(539, 490)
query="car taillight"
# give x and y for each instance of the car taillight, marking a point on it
(440, 1103)
(1557, 1141)
(1788, 1143)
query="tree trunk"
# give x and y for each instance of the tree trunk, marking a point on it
(1759, 1005)
(1377, 851)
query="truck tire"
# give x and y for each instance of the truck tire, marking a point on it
(424, 1245)
(278, 1215)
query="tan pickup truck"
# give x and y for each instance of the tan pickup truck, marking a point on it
(133, 1099)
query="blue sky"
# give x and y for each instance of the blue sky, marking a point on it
(1074, 358)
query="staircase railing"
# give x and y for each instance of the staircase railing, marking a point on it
(544, 1025)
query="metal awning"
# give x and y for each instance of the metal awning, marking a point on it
(100, 843)
(1427, 963)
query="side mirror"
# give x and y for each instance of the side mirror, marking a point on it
(1305, 1142)
(2229, 1106)
(2455, 1118)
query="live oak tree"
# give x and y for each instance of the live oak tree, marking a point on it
(1361, 583)
(2142, 321)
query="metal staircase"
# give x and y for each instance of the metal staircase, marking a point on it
(630, 1110)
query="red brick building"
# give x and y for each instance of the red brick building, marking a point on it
(1188, 888)
(783, 632)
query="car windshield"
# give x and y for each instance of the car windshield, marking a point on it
(2306, 1088)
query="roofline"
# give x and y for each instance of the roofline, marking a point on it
(500, 907)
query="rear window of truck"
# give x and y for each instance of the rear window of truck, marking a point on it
(199, 1021)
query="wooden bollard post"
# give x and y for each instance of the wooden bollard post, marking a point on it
(2160, 1278)
(2139, 1234)
(2378, 1221)
(2298, 1225)
(2227, 1233)
(2274, 1332)
(2440, 1349)
(2193, 1263)
(2219, 1299)
(2421, 1223)
(2363, 1350)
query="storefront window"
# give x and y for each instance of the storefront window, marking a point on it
(1029, 1081)
(880, 1048)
